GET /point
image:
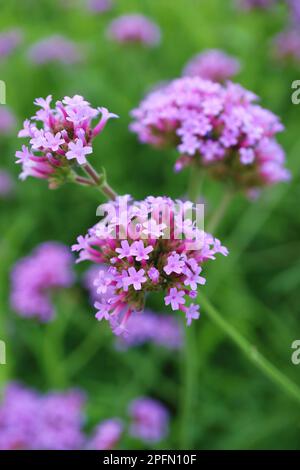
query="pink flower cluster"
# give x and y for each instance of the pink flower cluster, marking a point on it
(31, 421)
(34, 278)
(9, 40)
(64, 138)
(54, 48)
(217, 127)
(147, 246)
(134, 28)
(162, 330)
(150, 420)
(214, 65)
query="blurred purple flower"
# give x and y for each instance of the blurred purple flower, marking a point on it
(149, 420)
(149, 327)
(255, 4)
(33, 279)
(6, 184)
(106, 435)
(213, 65)
(31, 421)
(286, 45)
(99, 6)
(294, 6)
(7, 120)
(9, 40)
(134, 28)
(54, 48)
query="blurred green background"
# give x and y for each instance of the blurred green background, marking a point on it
(256, 288)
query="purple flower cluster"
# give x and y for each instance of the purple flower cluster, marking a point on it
(214, 65)
(217, 127)
(147, 246)
(9, 40)
(99, 6)
(31, 421)
(150, 420)
(34, 277)
(7, 120)
(54, 48)
(6, 184)
(134, 28)
(63, 139)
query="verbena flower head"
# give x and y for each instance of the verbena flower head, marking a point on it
(147, 246)
(55, 48)
(219, 128)
(60, 138)
(213, 65)
(34, 278)
(150, 419)
(31, 421)
(134, 28)
(7, 120)
(106, 435)
(9, 40)
(286, 46)
(6, 184)
(99, 6)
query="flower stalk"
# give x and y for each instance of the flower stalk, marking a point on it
(250, 351)
(99, 180)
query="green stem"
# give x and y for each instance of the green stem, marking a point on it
(83, 181)
(195, 182)
(108, 191)
(190, 364)
(250, 351)
(84, 352)
(100, 182)
(219, 214)
(52, 335)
